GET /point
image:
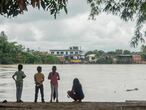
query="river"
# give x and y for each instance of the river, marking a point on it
(112, 83)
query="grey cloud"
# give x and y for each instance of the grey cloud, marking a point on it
(38, 30)
(59, 31)
(19, 32)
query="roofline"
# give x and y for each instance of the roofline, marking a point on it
(65, 50)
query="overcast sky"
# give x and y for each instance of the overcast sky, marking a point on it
(39, 30)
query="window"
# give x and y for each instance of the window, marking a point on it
(57, 52)
(52, 52)
(62, 52)
(71, 52)
(66, 53)
(93, 58)
(76, 52)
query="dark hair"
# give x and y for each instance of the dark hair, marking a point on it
(76, 82)
(77, 88)
(39, 68)
(20, 67)
(54, 68)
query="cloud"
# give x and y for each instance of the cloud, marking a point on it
(18, 32)
(38, 30)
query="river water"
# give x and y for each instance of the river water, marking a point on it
(113, 83)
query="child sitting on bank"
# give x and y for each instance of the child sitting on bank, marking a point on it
(76, 93)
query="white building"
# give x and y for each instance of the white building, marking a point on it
(73, 52)
(92, 58)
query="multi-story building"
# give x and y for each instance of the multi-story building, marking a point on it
(74, 54)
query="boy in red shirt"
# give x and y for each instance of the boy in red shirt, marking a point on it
(54, 77)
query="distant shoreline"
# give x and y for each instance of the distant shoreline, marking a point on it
(75, 64)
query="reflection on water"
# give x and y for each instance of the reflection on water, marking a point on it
(2, 91)
(4, 75)
(100, 82)
(3, 84)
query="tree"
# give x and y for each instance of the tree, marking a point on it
(105, 60)
(12, 53)
(119, 51)
(98, 53)
(126, 52)
(143, 48)
(111, 53)
(143, 52)
(127, 10)
(53, 59)
(11, 8)
(88, 53)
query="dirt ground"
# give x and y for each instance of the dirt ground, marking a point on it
(74, 106)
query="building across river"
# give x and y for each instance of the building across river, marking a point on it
(72, 55)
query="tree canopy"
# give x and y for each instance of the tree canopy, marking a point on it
(127, 10)
(12, 8)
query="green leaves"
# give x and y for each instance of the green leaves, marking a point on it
(43, 4)
(12, 8)
(95, 7)
(126, 10)
(138, 37)
(55, 6)
(9, 50)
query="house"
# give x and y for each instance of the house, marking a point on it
(124, 59)
(92, 58)
(74, 54)
(129, 59)
(137, 58)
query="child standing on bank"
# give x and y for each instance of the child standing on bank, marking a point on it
(54, 77)
(39, 79)
(18, 77)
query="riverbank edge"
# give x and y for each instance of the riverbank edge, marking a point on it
(74, 106)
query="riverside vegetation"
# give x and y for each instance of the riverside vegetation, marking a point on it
(13, 53)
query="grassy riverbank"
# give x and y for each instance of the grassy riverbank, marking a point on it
(74, 106)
